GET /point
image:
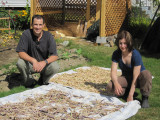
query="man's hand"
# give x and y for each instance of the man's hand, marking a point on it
(118, 89)
(42, 64)
(38, 66)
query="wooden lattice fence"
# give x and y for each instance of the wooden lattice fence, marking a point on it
(5, 21)
(115, 14)
(110, 13)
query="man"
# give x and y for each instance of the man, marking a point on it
(37, 52)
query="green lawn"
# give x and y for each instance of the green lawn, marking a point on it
(101, 56)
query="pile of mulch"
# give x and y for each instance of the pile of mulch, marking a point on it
(57, 105)
(93, 79)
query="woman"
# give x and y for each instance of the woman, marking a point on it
(133, 71)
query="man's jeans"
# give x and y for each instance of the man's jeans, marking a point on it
(26, 70)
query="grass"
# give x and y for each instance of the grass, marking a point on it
(13, 91)
(101, 56)
(152, 113)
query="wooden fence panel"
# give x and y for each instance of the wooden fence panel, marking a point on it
(5, 21)
(115, 14)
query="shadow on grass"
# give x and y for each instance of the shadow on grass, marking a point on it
(102, 90)
(14, 80)
(100, 87)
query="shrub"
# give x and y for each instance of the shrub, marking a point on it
(138, 23)
(22, 18)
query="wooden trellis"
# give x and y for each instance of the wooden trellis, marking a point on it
(5, 19)
(111, 13)
(115, 13)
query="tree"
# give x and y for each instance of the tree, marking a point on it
(156, 2)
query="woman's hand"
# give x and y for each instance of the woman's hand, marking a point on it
(136, 72)
(130, 98)
(118, 89)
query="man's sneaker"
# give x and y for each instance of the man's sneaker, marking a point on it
(30, 83)
(45, 83)
(41, 82)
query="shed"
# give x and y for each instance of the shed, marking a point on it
(13, 3)
(108, 14)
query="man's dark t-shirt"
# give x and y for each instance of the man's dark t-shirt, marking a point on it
(40, 50)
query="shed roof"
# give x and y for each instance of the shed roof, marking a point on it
(13, 3)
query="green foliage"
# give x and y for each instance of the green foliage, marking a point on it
(59, 40)
(9, 68)
(156, 2)
(13, 69)
(79, 51)
(4, 23)
(18, 35)
(5, 66)
(72, 68)
(13, 91)
(70, 43)
(22, 18)
(65, 55)
(96, 55)
(138, 23)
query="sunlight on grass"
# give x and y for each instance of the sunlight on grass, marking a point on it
(14, 90)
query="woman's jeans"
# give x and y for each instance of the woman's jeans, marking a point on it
(144, 83)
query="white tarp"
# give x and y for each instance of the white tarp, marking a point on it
(130, 109)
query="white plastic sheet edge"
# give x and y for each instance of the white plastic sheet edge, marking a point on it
(130, 109)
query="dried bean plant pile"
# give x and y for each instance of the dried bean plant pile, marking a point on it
(94, 79)
(56, 105)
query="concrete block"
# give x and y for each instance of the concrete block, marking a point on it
(101, 39)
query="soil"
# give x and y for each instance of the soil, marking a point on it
(12, 79)
(8, 56)
(73, 29)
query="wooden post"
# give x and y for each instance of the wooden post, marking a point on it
(9, 26)
(63, 14)
(98, 9)
(102, 19)
(88, 13)
(32, 12)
